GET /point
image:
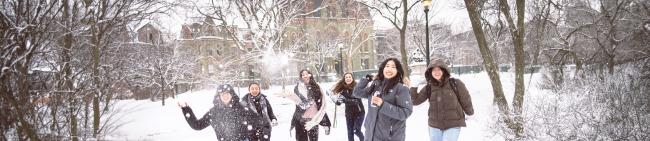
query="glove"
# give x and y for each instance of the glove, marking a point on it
(341, 99)
(274, 122)
(369, 76)
(327, 130)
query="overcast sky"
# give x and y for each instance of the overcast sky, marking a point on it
(442, 12)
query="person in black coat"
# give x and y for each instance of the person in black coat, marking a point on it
(257, 102)
(229, 119)
(354, 111)
(310, 108)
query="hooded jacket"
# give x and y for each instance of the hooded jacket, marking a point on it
(231, 122)
(388, 121)
(446, 108)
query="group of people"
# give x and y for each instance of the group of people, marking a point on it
(390, 97)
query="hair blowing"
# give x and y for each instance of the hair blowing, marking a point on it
(341, 85)
(315, 88)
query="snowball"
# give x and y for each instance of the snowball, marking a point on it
(187, 115)
(245, 122)
(250, 127)
(266, 136)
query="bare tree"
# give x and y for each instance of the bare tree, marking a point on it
(24, 26)
(397, 13)
(265, 22)
(488, 61)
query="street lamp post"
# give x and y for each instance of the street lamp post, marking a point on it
(426, 4)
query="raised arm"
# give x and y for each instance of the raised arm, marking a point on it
(361, 91)
(193, 122)
(419, 97)
(402, 108)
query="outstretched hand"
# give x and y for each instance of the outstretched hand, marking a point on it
(181, 104)
(274, 122)
(327, 130)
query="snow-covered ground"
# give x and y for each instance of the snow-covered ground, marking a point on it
(146, 120)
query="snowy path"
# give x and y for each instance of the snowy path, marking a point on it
(146, 120)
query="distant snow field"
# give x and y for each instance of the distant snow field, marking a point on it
(146, 120)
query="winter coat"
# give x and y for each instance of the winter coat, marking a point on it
(314, 95)
(446, 108)
(386, 122)
(261, 106)
(353, 105)
(230, 122)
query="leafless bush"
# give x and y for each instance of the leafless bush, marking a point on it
(596, 107)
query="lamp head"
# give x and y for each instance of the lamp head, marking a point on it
(426, 3)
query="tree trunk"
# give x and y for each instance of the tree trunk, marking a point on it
(402, 41)
(488, 61)
(95, 73)
(86, 113)
(517, 34)
(66, 85)
(162, 89)
(96, 116)
(73, 126)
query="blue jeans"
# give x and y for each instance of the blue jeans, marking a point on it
(450, 134)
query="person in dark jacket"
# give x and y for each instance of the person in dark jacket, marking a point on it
(354, 111)
(447, 107)
(257, 102)
(229, 119)
(310, 108)
(389, 102)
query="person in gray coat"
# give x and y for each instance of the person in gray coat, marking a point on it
(389, 102)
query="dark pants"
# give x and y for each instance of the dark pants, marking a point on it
(354, 127)
(304, 135)
(262, 134)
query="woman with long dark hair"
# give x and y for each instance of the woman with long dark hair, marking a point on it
(310, 108)
(389, 102)
(354, 111)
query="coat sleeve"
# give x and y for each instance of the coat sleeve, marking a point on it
(419, 97)
(360, 90)
(465, 98)
(269, 110)
(193, 122)
(402, 108)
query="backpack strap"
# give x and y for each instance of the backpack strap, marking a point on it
(454, 86)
